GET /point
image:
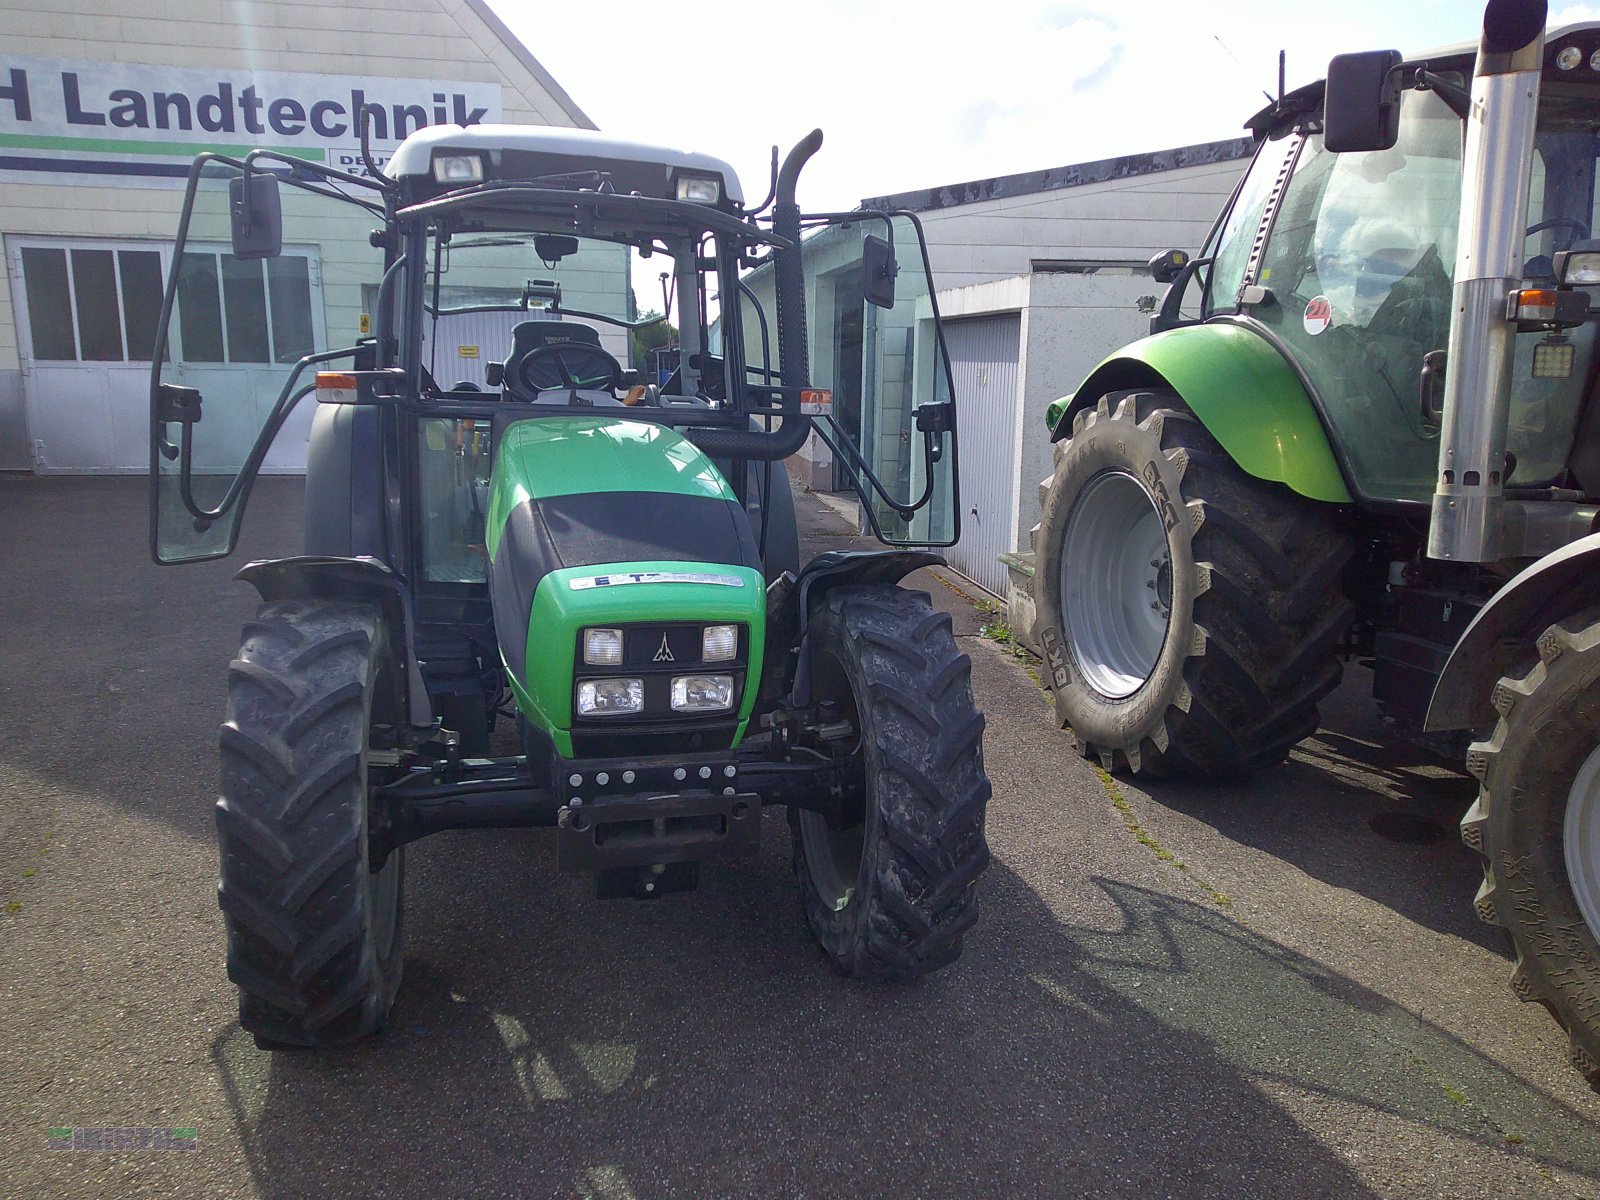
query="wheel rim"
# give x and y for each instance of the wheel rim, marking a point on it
(1116, 584)
(833, 859)
(1582, 838)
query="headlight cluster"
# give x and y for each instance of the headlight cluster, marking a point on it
(655, 652)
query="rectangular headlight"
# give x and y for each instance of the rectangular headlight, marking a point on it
(607, 697)
(457, 168)
(602, 647)
(719, 643)
(702, 693)
(699, 189)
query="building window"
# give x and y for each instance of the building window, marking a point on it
(92, 305)
(244, 310)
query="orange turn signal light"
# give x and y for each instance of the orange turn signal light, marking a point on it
(1534, 304)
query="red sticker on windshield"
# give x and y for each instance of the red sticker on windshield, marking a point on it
(1319, 315)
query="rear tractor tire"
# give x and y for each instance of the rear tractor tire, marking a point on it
(315, 936)
(890, 889)
(1190, 615)
(1537, 824)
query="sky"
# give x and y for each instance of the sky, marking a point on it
(919, 93)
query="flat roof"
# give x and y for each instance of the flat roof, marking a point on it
(1029, 183)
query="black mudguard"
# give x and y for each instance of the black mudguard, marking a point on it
(1559, 584)
(789, 610)
(317, 577)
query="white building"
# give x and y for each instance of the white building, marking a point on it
(97, 129)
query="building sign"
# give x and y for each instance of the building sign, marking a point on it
(88, 122)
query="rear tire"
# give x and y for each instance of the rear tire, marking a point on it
(891, 892)
(1189, 614)
(1537, 824)
(315, 938)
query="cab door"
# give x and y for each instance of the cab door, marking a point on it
(241, 336)
(877, 345)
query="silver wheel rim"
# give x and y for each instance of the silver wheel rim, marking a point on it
(1582, 838)
(1116, 584)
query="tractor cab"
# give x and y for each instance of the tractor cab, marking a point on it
(1345, 259)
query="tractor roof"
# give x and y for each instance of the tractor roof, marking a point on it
(528, 151)
(1460, 55)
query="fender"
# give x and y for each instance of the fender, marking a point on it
(325, 578)
(789, 608)
(1561, 583)
(1243, 391)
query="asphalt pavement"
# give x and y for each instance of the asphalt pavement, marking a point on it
(1274, 988)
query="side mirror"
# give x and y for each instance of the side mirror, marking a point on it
(256, 214)
(878, 271)
(1361, 110)
(494, 373)
(1168, 265)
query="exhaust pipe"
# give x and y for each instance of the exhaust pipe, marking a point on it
(1468, 493)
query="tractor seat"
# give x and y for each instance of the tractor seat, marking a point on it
(585, 361)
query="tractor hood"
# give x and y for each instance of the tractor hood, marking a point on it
(604, 522)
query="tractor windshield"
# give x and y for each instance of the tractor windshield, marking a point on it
(1358, 264)
(480, 286)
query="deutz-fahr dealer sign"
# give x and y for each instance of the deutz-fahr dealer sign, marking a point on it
(97, 122)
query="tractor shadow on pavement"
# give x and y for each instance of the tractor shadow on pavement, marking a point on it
(545, 1044)
(1359, 809)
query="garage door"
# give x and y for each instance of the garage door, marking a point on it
(983, 361)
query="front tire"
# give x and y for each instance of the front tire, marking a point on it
(315, 937)
(1189, 614)
(891, 889)
(1536, 822)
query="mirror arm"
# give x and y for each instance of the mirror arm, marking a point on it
(1168, 316)
(364, 119)
(858, 468)
(285, 404)
(772, 188)
(1458, 98)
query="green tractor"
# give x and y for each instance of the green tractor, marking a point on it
(506, 524)
(1365, 425)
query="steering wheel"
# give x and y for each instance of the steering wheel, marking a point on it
(1572, 223)
(612, 380)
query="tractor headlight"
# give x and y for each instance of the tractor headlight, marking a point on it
(719, 643)
(699, 189)
(602, 647)
(457, 168)
(606, 697)
(702, 693)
